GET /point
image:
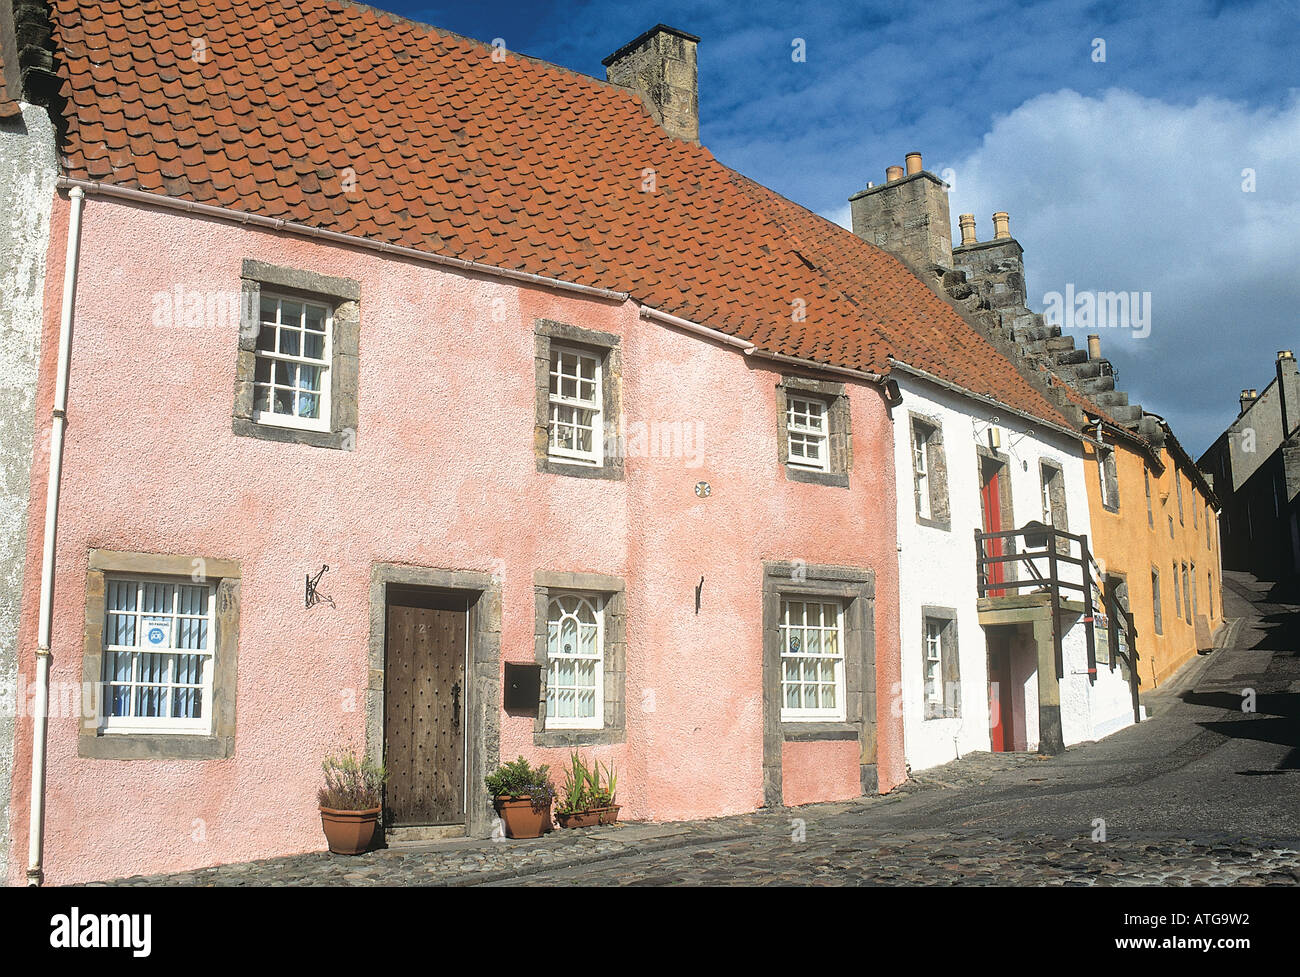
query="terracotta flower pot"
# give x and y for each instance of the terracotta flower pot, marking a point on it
(349, 832)
(579, 819)
(609, 815)
(520, 820)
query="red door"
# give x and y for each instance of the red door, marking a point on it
(1001, 715)
(991, 510)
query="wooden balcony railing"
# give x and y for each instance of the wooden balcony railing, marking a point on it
(1047, 554)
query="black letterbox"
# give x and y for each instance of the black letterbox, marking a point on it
(523, 686)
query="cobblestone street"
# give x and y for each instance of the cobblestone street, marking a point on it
(1200, 794)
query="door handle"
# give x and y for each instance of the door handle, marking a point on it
(455, 707)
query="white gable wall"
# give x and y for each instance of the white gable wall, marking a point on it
(937, 568)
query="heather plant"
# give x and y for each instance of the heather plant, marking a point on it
(352, 783)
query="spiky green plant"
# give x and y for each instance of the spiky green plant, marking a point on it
(583, 788)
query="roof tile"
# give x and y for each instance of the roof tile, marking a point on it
(518, 163)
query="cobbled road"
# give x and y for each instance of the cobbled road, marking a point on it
(1202, 793)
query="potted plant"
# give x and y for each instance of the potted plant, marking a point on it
(585, 800)
(522, 795)
(350, 802)
(605, 795)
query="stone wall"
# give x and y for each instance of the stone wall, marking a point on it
(28, 168)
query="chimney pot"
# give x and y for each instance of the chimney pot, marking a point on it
(913, 163)
(1247, 398)
(893, 173)
(661, 66)
(967, 224)
(1285, 354)
(1094, 347)
(1001, 225)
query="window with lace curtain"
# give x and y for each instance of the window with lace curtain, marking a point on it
(575, 662)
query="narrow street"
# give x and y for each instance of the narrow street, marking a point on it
(1201, 793)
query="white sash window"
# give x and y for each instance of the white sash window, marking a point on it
(158, 640)
(805, 421)
(575, 406)
(812, 661)
(934, 666)
(291, 385)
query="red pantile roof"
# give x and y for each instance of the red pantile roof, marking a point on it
(356, 121)
(8, 107)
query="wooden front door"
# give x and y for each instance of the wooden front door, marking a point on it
(991, 513)
(1001, 712)
(424, 711)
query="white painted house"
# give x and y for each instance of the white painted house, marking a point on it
(1004, 646)
(972, 667)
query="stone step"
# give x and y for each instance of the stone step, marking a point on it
(1089, 369)
(1111, 399)
(1094, 385)
(1052, 345)
(1071, 357)
(1029, 332)
(1126, 415)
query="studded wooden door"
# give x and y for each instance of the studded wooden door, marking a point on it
(424, 714)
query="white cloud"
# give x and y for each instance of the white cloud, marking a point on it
(1123, 192)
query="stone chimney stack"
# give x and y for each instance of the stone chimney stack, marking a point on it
(996, 265)
(661, 66)
(1247, 400)
(907, 215)
(1288, 388)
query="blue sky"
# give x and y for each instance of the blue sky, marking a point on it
(1122, 174)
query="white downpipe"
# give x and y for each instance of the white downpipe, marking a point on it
(58, 421)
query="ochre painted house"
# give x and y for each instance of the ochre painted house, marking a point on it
(1154, 529)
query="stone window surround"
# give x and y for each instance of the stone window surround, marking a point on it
(1151, 519)
(545, 584)
(1178, 599)
(1057, 500)
(1109, 477)
(224, 575)
(609, 347)
(950, 666)
(937, 470)
(482, 680)
(839, 438)
(343, 295)
(1156, 609)
(856, 587)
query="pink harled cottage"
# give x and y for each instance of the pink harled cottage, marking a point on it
(419, 395)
